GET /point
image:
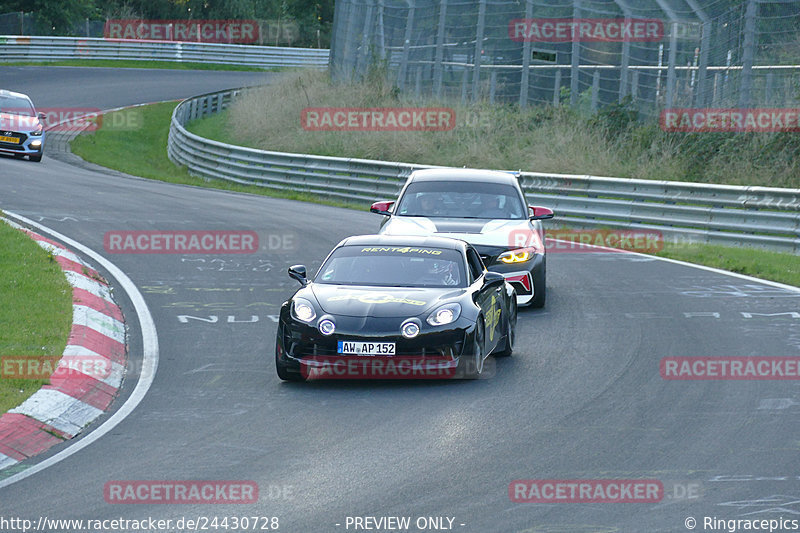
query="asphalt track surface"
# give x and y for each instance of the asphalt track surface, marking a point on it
(581, 398)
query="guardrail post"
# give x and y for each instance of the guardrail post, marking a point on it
(464, 78)
(492, 85)
(635, 85)
(595, 89)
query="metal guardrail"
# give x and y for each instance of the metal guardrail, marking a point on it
(682, 211)
(15, 48)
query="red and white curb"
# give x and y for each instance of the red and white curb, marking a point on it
(71, 401)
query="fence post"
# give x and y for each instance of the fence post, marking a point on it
(464, 78)
(437, 63)
(769, 88)
(526, 60)
(574, 85)
(364, 60)
(401, 78)
(673, 57)
(557, 89)
(492, 85)
(595, 89)
(747, 53)
(476, 69)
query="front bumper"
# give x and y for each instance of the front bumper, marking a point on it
(521, 276)
(29, 144)
(433, 354)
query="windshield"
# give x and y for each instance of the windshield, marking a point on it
(395, 266)
(14, 105)
(461, 199)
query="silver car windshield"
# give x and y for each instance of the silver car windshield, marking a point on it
(461, 199)
(14, 105)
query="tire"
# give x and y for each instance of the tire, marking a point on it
(511, 330)
(281, 369)
(540, 287)
(36, 158)
(472, 366)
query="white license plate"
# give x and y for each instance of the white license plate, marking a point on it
(13, 140)
(366, 348)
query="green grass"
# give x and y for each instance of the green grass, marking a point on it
(774, 266)
(36, 315)
(113, 148)
(131, 63)
(538, 138)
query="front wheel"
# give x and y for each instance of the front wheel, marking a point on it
(539, 286)
(280, 367)
(472, 365)
(36, 158)
(511, 330)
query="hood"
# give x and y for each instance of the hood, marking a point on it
(475, 231)
(379, 302)
(18, 123)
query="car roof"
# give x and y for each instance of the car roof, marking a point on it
(4, 92)
(463, 174)
(405, 240)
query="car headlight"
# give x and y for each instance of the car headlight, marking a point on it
(444, 315)
(302, 310)
(515, 256)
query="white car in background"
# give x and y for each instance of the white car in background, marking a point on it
(483, 207)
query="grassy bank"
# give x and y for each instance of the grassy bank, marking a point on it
(36, 314)
(544, 139)
(112, 149)
(132, 63)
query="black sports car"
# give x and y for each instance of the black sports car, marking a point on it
(395, 307)
(483, 207)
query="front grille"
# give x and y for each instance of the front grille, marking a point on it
(23, 137)
(428, 345)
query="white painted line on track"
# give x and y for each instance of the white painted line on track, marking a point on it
(790, 288)
(149, 353)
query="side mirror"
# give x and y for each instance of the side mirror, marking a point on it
(493, 278)
(540, 213)
(41, 116)
(298, 272)
(382, 208)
